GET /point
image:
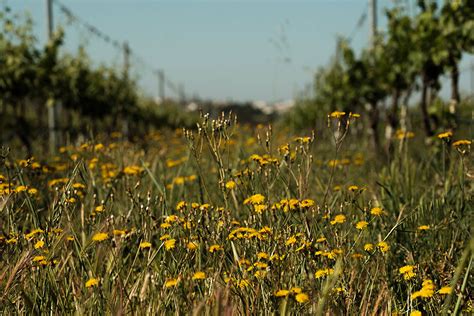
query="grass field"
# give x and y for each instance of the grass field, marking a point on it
(228, 219)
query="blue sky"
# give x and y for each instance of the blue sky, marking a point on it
(240, 50)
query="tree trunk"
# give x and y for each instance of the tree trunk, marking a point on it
(424, 107)
(393, 116)
(455, 82)
(374, 124)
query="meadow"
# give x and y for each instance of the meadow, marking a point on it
(228, 219)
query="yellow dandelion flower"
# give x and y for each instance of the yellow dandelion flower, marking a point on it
(119, 232)
(181, 205)
(353, 188)
(170, 244)
(39, 244)
(445, 135)
(263, 255)
(92, 282)
(199, 275)
(323, 272)
(296, 290)
(132, 170)
(445, 290)
(376, 211)
(321, 239)
(407, 272)
(145, 245)
(171, 282)
(415, 313)
(243, 283)
(192, 245)
(306, 203)
(337, 114)
(99, 209)
(215, 248)
(361, 225)
(291, 240)
(38, 258)
(230, 185)
(100, 237)
(383, 246)
(369, 247)
(424, 227)
(462, 142)
(254, 199)
(21, 188)
(338, 219)
(282, 293)
(302, 297)
(427, 290)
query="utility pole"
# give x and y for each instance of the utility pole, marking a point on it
(373, 20)
(126, 60)
(51, 105)
(126, 68)
(161, 83)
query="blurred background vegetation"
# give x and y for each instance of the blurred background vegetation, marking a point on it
(394, 84)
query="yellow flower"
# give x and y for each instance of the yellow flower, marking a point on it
(199, 275)
(132, 170)
(92, 282)
(427, 290)
(407, 272)
(145, 245)
(383, 246)
(291, 240)
(445, 135)
(361, 225)
(462, 142)
(323, 272)
(262, 255)
(415, 313)
(376, 211)
(337, 114)
(282, 293)
(230, 185)
(192, 245)
(424, 227)
(295, 290)
(259, 208)
(118, 232)
(99, 208)
(171, 282)
(39, 258)
(100, 237)
(170, 243)
(215, 248)
(255, 199)
(181, 205)
(338, 219)
(368, 247)
(302, 297)
(321, 239)
(39, 244)
(445, 290)
(306, 203)
(21, 188)
(353, 188)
